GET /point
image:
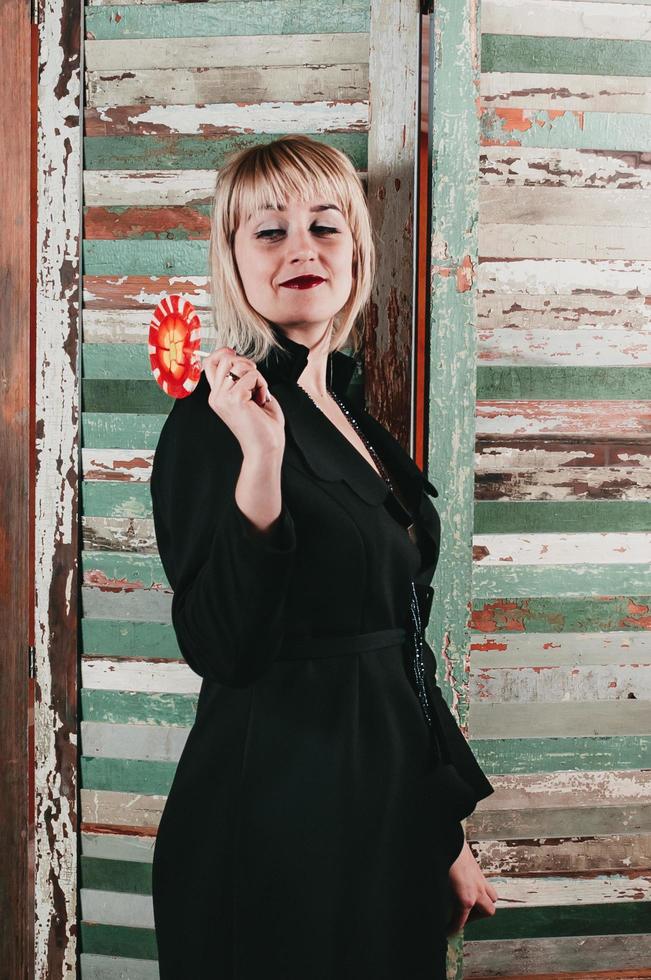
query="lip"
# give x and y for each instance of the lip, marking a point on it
(303, 282)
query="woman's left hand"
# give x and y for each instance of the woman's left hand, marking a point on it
(473, 895)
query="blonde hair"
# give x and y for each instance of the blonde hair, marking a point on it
(293, 165)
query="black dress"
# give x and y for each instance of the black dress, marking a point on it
(314, 814)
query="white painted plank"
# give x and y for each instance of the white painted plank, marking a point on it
(575, 207)
(151, 743)
(538, 277)
(567, 18)
(262, 50)
(260, 117)
(570, 93)
(548, 548)
(565, 789)
(118, 847)
(147, 677)
(547, 682)
(116, 809)
(531, 241)
(558, 719)
(94, 966)
(489, 650)
(566, 348)
(125, 465)
(117, 908)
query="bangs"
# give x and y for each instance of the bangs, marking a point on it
(271, 177)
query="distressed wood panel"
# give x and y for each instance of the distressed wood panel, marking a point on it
(227, 52)
(566, 18)
(546, 958)
(56, 391)
(122, 674)
(94, 966)
(187, 86)
(569, 92)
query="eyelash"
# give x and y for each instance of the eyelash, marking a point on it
(275, 231)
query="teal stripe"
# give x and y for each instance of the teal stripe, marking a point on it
(226, 19)
(115, 498)
(141, 397)
(179, 152)
(121, 431)
(144, 257)
(103, 874)
(502, 756)
(532, 517)
(497, 581)
(564, 55)
(135, 708)
(118, 940)
(571, 130)
(552, 921)
(512, 614)
(125, 568)
(127, 775)
(119, 361)
(505, 382)
(123, 638)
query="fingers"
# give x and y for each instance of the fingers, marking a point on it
(222, 364)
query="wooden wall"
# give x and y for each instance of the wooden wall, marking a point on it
(554, 345)
(170, 88)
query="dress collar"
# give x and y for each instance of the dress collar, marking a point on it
(288, 363)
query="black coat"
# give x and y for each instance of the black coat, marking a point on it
(314, 814)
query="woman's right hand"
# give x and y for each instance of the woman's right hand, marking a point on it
(246, 406)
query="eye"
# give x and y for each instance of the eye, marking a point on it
(321, 229)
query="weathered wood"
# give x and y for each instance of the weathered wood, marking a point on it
(58, 289)
(17, 692)
(576, 956)
(565, 18)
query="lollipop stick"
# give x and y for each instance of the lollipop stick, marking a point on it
(201, 353)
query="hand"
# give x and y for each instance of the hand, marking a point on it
(473, 895)
(246, 406)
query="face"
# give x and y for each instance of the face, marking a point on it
(302, 239)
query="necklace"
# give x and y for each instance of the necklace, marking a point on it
(418, 665)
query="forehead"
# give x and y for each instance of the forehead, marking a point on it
(268, 208)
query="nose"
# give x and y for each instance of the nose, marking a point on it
(301, 245)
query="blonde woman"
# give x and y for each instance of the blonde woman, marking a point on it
(312, 828)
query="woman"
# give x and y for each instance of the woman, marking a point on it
(312, 828)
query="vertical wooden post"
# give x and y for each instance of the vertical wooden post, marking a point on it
(394, 77)
(15, 441)
(57, 475)
(454, 95)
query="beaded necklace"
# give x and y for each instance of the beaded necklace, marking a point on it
(418, 665)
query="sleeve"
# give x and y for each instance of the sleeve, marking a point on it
(467, 782)
(230, 581)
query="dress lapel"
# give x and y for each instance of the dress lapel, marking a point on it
(331, 457)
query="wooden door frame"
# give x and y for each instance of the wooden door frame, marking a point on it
(16, 266)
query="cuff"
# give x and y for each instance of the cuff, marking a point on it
(280, 537)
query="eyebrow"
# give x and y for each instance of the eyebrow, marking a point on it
(317, 207)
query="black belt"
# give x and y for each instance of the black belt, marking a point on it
(311, 647)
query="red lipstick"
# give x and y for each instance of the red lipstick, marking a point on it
(303, 282)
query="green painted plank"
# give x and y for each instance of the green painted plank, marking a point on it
(454, 186)
(118, 940)
(504, 382)
(570, 130)
(513, 614)
(497, 581)
(123, 638)
(125, 569)
(178, 152)
(141, 397)
(224, 19)
(116, 876)
(134, 708)
(121, 430)
(127, 775)
(607, 919)
(143, 257)
(115, 498)
(560, 517)
(564, 55)
(581, 753)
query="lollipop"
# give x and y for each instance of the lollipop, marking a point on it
(174, 334)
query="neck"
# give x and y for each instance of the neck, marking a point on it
(313, 378)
